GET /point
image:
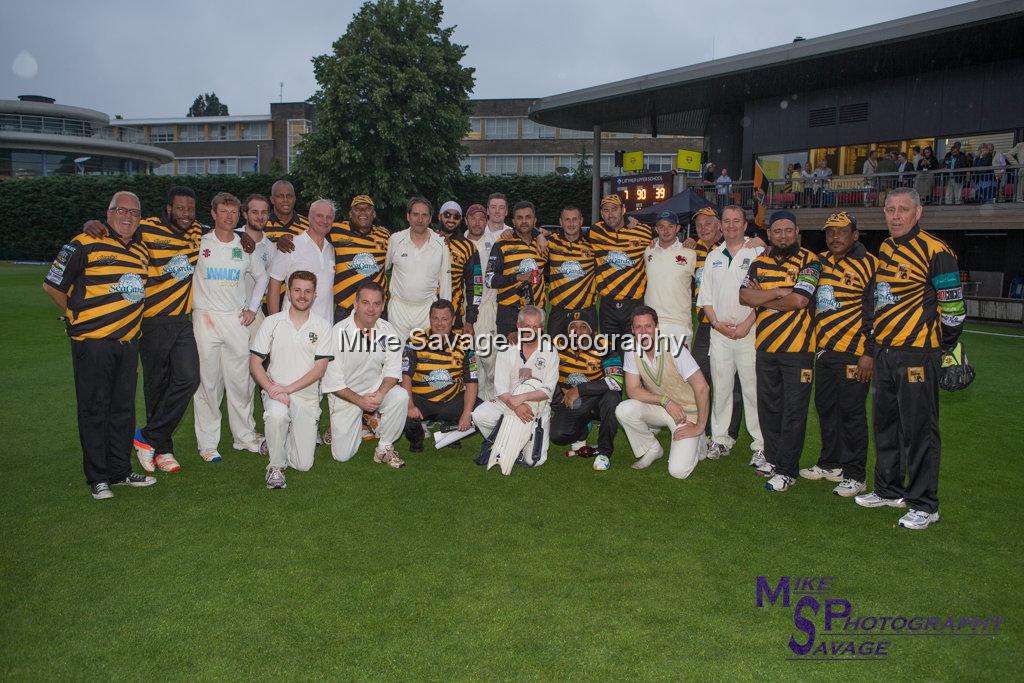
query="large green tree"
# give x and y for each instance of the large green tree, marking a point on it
(391, 111)
(207, 104)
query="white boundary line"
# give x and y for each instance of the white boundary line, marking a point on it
(996, 334)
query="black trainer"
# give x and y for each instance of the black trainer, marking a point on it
(101, 490)
(136, 480)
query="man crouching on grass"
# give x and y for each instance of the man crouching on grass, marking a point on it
(299, 347)
(666, 389)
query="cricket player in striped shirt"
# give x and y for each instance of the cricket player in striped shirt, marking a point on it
(570, 274)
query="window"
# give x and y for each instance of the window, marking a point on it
(566, 134)
(660, 162)
(501, 129)
(190, 133)
(608, 165)
(164, 169)
(191, 166)
(296, 129)
(223, 167)
(537, 131)
(254, 131)
(247, 165)
(536, 164)
(775, 165)
(472, 164)
(474, 129)
(970, 143)
(158, 134)
(222, 131)
(502, 164)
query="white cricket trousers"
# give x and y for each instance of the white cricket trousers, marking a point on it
(291, 431)
(347, 422)
(637, 419)
(729, 357)
(487, 414)
(407, 316)
(223, 344)
(486, 326)
(678, 334)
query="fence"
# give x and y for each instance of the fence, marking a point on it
(977, 185)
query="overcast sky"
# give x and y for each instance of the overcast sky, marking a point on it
(148, 59)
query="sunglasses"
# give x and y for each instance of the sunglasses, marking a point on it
(449, 214)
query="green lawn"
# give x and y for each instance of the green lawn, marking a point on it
(443, 571)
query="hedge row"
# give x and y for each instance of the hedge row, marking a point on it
(37, 215)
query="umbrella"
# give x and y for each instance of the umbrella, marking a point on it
(683, 205)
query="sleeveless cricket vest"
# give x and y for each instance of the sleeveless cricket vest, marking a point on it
(662, 378)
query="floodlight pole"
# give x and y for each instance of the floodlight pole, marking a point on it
(595, 173)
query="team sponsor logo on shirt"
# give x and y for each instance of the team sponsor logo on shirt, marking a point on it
(697, 275)
(527, 265)
(130, 287)
(884, 296)
(681, 260)
(179, 268)
(236, 253)
(571, 270)
(439, 379)
(575, 379)
(619, 260)
(364, 264)
(313, 338)
(223, 274)
(60, 263)
(826, 299)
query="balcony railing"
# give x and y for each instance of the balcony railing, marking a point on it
(50, 125)
(976, 185)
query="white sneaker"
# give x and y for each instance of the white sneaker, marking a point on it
(717, 450)
(816, 473)
(275, 478)
(601, 463)
(766, 469)
(779, 483)
(210, 456)
(757, 459)
(648, 459)
(848, 488)
(873, 500)
(918, 519)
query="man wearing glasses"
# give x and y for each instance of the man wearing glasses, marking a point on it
(100, 285)
(467, 280)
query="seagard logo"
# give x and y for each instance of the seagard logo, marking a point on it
(364, 264)
(527, 265)
(439, 379)
(179, 268)
(884, 296)
(575, 379)
(130, 287)
(829, 628)
(618, 260)
(697, 274)
(571, 270)
(825, 298)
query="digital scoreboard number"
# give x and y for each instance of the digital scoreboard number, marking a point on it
(643, 189)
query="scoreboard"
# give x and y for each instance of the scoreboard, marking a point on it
(641, 190)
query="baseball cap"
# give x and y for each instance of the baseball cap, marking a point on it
(705, 211)
(840, 220)
(669, 216)
(611, 199)
(361, 199)
(475, 208)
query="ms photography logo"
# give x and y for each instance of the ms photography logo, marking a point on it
(829, 629)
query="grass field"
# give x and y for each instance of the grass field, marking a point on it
(443, 571)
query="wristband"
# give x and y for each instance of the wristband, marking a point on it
(664, 401)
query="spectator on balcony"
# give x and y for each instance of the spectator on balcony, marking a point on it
(984, 181)
(869, 170)
(787, 186)
(709, 173)
(822, 174)
(916, 156)
(1000, 175)
(905, 168)
(955, 159)
(886, 171)
(723, 185)
(925, 180)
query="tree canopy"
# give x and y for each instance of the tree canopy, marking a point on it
(207, 105)
(391, 111)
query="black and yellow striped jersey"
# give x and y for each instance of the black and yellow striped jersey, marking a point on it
(295, 226)
(357, 256)
(919, 301)
(172, 260)
(570, 273)
(439, 367)
(105, 280)
(461, 251)
(702, 249)
(621, 272)
(510, 257)
(577, 368)
(845, 302)
(786, 331)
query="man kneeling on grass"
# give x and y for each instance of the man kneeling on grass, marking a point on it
(666, 389)
(298, 345)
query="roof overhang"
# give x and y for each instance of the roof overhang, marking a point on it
(191, 120)
(71, 144)
(679, 101)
